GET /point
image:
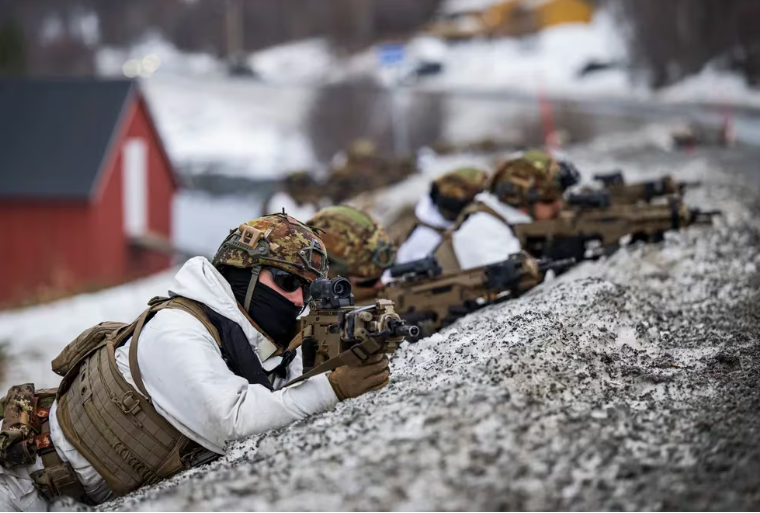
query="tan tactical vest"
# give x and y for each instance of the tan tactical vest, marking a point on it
(110, 423)
(444, 253)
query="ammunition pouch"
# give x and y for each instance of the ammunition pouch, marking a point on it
(25, 435)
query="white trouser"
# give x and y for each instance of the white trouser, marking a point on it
(17, 491)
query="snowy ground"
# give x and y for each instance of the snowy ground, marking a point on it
(254, 126)
(33, 336)
(628, 384)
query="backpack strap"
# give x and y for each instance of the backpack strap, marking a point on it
(158, 304)
(418, 223)
(444, 253)
(473, 208)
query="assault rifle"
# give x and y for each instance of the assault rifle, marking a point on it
(629, 194)
(429, 300)
(590, 233)
(335, 332)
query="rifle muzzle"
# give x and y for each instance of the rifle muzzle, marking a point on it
(697, 216)
(400, 329)
(612, 178)
(682, 186)
(563, 264)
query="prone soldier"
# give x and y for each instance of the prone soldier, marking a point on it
(420, 292)
(210, 366)
(528, 186)
(438, 211)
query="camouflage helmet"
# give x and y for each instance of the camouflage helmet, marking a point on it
(453, 191)
(357, 245)
(528, 178)
(276, 240)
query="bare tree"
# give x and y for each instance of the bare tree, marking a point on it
(676, 38)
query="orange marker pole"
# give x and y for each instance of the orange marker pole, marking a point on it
(547, 120)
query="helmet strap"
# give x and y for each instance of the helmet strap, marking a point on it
(251, 285)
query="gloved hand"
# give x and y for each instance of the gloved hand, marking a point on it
(371, 375)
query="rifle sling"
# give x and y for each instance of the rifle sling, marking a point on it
(351, 356)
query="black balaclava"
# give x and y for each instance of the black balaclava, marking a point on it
(273, 313)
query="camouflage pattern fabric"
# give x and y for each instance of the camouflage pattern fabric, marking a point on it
(16, 447)
(461, 184)
(357, 245)
(285, 243)
(529, 178)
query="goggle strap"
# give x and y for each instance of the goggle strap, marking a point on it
(251, 285)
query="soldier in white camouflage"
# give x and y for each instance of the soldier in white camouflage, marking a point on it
(527, 186)
(210, 367)
(438, 211)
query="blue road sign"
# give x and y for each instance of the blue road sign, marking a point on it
(390, 54)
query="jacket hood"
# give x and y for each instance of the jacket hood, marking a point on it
(427, 212)
(200, 281)
(508, 212)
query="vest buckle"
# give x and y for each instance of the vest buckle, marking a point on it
(129, 403)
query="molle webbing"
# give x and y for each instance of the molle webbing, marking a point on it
(116, 429)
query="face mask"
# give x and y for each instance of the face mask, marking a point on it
(274, 314)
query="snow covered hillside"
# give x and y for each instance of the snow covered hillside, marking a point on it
(255, 126)
(33, 336)
(628, 383)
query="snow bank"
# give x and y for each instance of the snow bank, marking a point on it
(550, 61)
(712, 86)
(32, 337)
(154, 55)
(302, 62)
(254, 129)
(594, 392)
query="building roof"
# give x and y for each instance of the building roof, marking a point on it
(56, 134)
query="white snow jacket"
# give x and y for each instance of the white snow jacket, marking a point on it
(423, 240)
(483, 239)
(191, 386)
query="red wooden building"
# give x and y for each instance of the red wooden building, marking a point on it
(84, 179)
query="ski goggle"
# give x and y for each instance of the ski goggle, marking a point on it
(288, 282)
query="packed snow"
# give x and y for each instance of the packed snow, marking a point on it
(303, 62)
(33, 336)
(626, 384)
(254, 129)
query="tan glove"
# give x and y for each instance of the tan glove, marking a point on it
(371, 375)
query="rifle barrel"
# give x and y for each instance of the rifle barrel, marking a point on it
(555, 265)
(400, 329)
(704, 216)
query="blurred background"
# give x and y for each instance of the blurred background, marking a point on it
(144, 130)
